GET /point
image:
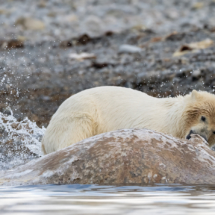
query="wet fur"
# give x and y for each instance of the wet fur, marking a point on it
(104, 109)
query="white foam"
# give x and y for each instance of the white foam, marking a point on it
(25, 133)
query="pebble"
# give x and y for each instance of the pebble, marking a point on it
(196, 73)
(30, 24)
(93, 26)
(82, 56)
(125, 48)
(96, 18)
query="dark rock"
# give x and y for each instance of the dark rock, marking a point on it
(11, 44)
(175, 36)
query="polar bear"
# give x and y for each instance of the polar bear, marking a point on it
(104, 109)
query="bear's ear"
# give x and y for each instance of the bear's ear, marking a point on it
(194, 95)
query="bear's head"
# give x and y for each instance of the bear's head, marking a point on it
(200, 116)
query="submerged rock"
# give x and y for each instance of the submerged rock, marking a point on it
(123, 157)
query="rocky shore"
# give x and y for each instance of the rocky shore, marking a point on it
(51, 50)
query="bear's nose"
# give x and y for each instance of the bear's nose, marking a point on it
(192, 132)
(189, 135)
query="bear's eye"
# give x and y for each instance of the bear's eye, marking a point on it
(213, 132)
(203, 118)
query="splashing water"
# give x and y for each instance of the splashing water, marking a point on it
(19, 141)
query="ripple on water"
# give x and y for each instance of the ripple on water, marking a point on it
(93, 199)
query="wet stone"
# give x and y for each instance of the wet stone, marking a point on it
(123, 157)
(129, 49)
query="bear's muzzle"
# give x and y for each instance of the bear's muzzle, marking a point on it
(192, 132)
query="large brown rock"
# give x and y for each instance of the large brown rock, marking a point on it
(123, 157)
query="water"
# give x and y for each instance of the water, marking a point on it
(92, 199)
(21, 141)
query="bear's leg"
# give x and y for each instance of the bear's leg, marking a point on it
(68, 131)
(77, 130)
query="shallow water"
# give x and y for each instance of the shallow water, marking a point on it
(92, 199)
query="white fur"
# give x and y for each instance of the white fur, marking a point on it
(104, 109)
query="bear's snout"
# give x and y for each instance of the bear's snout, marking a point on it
(192, 132)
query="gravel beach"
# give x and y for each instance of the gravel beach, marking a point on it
(50, 50)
